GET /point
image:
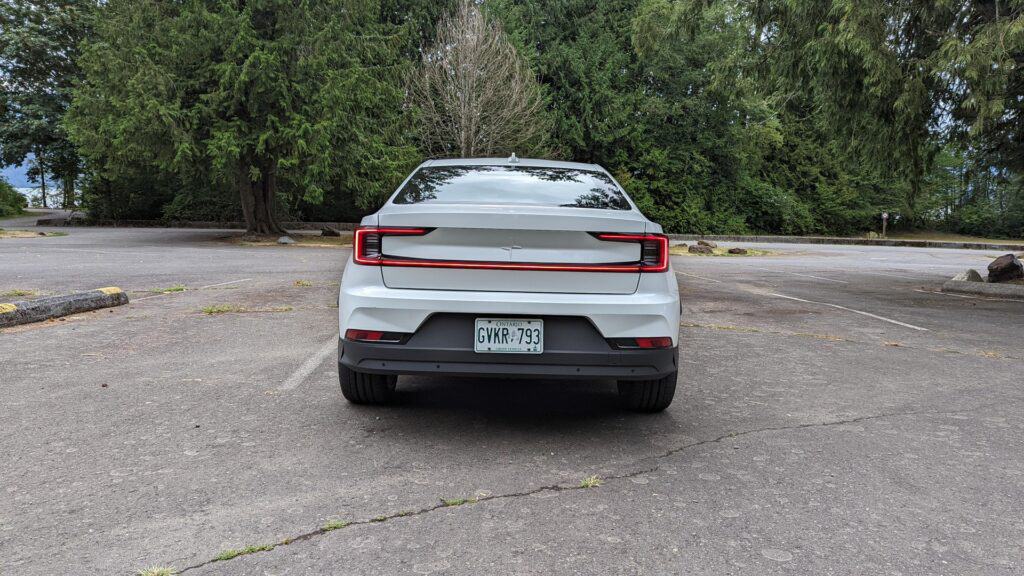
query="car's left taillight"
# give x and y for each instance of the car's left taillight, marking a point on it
(367, 242)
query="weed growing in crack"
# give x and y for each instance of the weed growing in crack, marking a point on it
(592, 481)
(229, 554)
(157, 571)
(302, 283)
(334, 525)
(170, 289)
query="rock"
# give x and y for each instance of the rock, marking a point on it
(1005, 268)
(969, 276)
(737, 250)
(328, 231)
(700, 249)
(285, 240)
(707, 243)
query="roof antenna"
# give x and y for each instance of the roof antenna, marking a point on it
(513, 159)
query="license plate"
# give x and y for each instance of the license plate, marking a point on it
(509, 335)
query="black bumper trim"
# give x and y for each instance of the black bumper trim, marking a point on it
(407, 359)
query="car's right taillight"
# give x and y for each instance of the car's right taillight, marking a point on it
(653, 248)
(648, 343)
(367, 242)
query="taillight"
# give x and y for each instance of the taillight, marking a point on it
(374, 336)
(367, 241)
(652, 343)
(653, 249)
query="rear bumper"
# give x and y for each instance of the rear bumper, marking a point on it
(444, 345)
(366, 304)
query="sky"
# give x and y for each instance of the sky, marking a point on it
(16, 176)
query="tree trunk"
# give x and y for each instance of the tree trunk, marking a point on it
(258, 202)
(42, 176)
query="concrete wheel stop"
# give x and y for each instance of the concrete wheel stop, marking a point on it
(27, 311)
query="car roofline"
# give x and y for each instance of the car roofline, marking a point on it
(532, 162)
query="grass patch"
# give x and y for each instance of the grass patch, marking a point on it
(170, 289)
(235, 553)
(950, 237)
(18, 293)
(334, 525)
(302, 283)
(156, 571)
(591, 482)
(222, 309)
(447, 502)
(684, 251)
(236, 309)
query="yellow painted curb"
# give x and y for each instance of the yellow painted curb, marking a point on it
(110, 290)
(5, 308)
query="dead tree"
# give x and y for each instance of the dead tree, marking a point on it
(475, 94)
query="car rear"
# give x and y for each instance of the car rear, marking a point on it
(518, 269)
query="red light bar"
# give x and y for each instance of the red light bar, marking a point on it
(367, 250)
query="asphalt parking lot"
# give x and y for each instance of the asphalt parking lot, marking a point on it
(836, 415)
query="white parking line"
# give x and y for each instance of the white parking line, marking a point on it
(804, 275)
(701, 277)
(225, 283)
(311, 364)
(968, 297)
(861, 312)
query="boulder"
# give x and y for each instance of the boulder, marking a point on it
(969, 276)
(285, 240)
(1005, 268)
(737, 251)
(700, 249)
(707, 243)
(328, 231)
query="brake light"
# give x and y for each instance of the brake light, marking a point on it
(653, 249)
(651, 343)
(366, 242)
(374, 336)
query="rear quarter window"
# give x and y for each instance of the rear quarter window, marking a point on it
(526, 185)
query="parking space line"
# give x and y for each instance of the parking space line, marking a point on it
(861, 312)
(311, 364)
(968, 297)
(804, 275)
(224, 283)
(700, 277)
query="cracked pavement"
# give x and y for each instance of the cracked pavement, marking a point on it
(804, 439)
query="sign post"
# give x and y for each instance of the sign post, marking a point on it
(885, 222)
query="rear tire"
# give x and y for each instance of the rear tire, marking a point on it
(363, 388)
(648, 395)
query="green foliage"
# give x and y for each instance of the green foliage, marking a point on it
(269, 99)
(718, 116)
(11, 202)
(39, 41)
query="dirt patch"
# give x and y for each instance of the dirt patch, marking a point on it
(301, 240)
(683, 251)
(28, 234)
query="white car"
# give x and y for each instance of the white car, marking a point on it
(509, 268)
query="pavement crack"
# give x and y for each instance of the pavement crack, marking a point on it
(653, 466)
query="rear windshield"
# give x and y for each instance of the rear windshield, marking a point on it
(512, 185)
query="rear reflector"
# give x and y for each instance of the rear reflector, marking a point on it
(652, 343)
(374, 336)
(368, 250)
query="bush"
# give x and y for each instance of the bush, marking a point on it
(12, 202)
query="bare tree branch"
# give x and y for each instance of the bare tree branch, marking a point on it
(475, 94)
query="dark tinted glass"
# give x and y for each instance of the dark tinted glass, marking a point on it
(512, 185)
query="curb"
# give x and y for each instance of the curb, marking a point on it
(852, 242)
(26, 311)
(206, 225)
(1014, 291)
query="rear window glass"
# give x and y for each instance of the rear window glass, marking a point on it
(531, 185)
